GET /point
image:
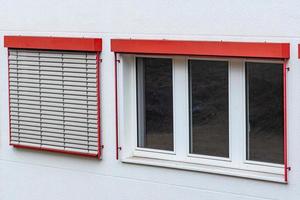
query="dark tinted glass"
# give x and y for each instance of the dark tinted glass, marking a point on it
(264, 88)
(155, 103)
(208, 88)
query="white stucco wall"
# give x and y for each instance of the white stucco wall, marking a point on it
(26, 174)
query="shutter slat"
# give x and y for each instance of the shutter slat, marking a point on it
(49, 61)
(45, 53)
(47, 144)
(51, 69)
(64, 92)
(29, 111)
(34, 105)
(47, 97)
(59, 111)
(54, 122)
(58, 140)
(32, 81)
(33, 130)
(59, 75)
(44, 66)
(92, 140)
(53, 87)
(32, 57)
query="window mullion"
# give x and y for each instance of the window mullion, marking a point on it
(180, 107)
(237, 111)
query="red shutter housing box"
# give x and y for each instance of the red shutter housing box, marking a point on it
(202, 48)
(54, 43)
(88, 45)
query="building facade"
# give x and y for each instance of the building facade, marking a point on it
(150, 100)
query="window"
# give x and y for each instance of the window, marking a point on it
(54, 97)
(264, 112)
(155, 103)
(210, 113)
(214, 115)
(208, 93)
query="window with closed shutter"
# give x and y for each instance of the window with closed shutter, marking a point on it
(54, 100)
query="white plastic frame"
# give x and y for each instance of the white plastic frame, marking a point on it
(180, 158)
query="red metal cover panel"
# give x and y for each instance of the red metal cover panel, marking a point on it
(53, 43)
(202, 48)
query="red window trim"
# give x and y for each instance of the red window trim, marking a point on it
(66, 44)
(202, 48)
(285, 127)
(54, 43)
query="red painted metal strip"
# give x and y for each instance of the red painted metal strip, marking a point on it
(53, 43)
(202, 48)
(54, 150)
(116, 106)
(298, 50)
(98, 104)
(285, 147)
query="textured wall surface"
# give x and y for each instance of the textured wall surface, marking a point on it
(26, 174)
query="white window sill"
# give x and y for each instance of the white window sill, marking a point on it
(228, 171)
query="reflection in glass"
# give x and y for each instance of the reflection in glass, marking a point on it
(264, 86)
(208, 95)
(155, 103)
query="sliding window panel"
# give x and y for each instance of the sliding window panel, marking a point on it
(155, 103)
(208, 108)
(265, 123)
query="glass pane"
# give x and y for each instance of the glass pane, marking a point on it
(155, 103)
(264, 112)
(208, 87)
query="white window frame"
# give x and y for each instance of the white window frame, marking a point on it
(180, 158)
